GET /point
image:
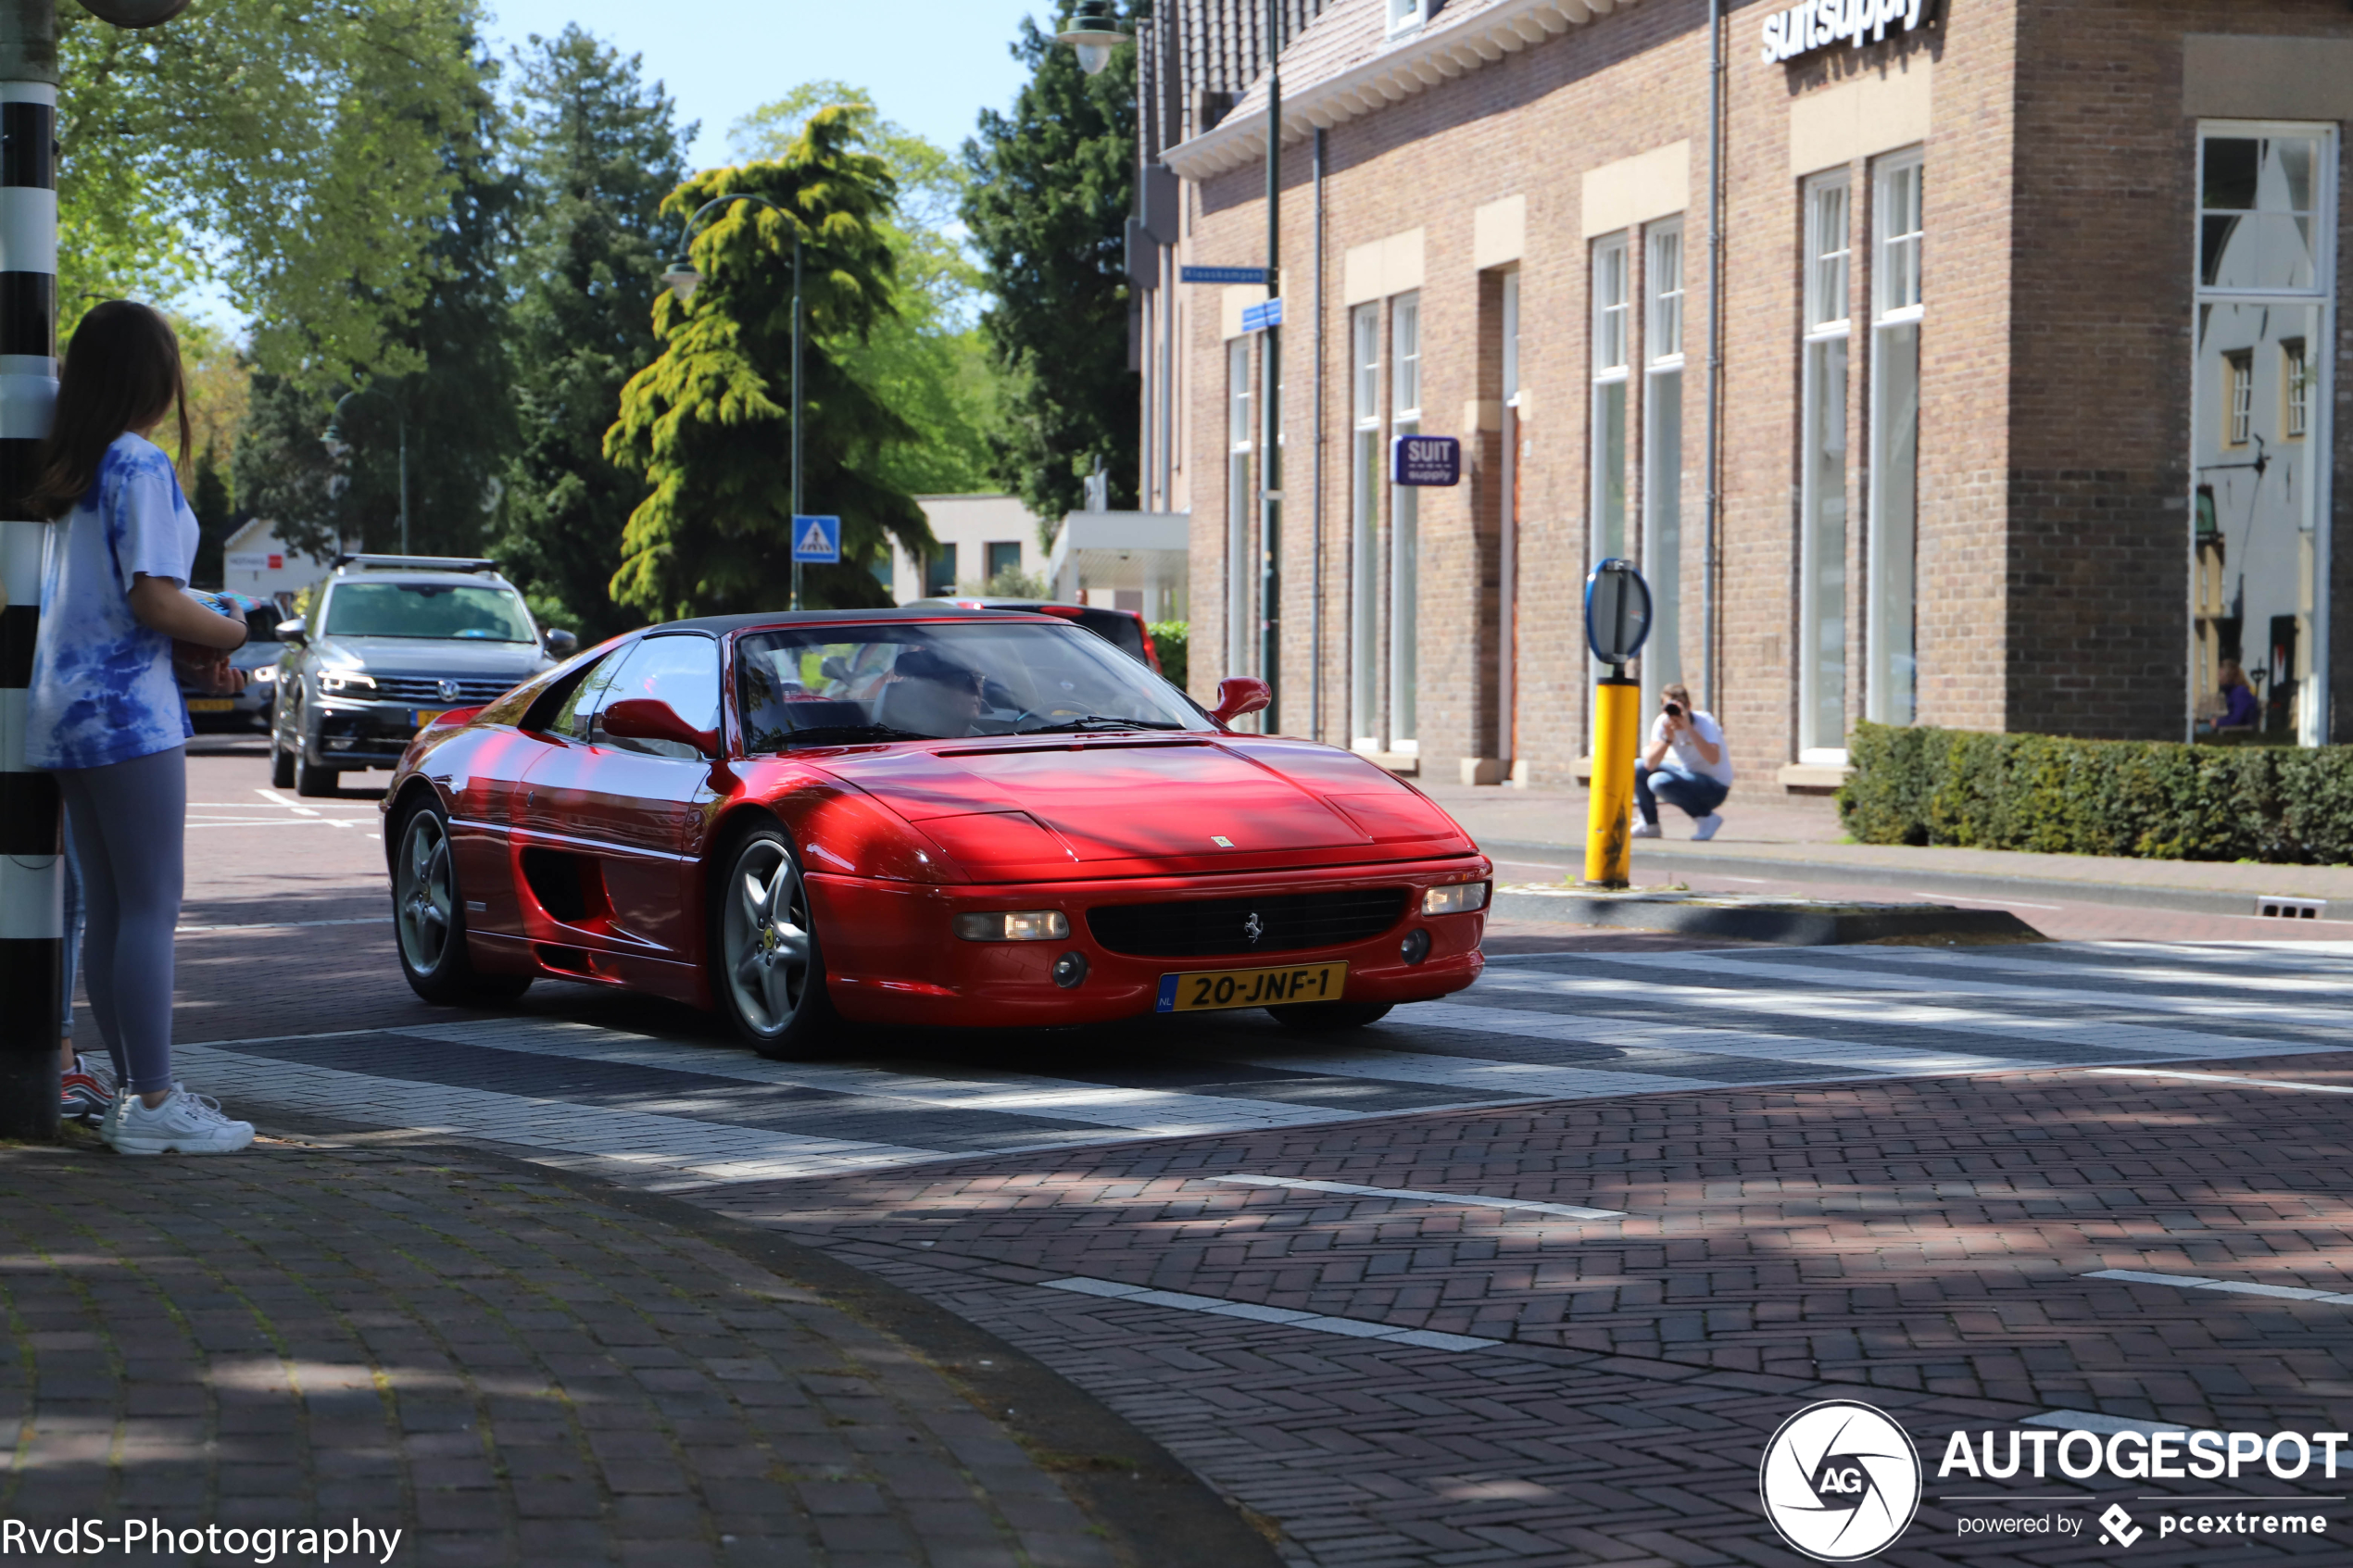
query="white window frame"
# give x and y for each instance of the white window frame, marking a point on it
(1663, 327)
(1407, 15)
(1664, 292)
(1368, 483)
(2321, 391)
(1612, 272)
(1508, 552)
(1241, 442)
(1404, 527)
(1898, 301)
(1829, 285)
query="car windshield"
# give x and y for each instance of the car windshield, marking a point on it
(428, 609)
(831, 685)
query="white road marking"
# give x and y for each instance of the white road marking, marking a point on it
(383, 920)
(1996, 903)
(1155, 1112)
(1674, 1036)
(2219, 978)
(2236, 1286)
(2227, 1078)
(703, 1151)
(1474, 1073)
(1471, 1201)
(1354, 1328)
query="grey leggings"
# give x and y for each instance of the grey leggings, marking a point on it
(129, 823)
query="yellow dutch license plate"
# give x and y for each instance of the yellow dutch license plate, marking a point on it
(1208, 989)
(210, 705)
(427, 715)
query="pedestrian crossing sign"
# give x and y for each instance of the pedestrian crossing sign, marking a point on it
(816, 539)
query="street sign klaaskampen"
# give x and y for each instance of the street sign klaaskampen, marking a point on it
(816, 540)
(1222, 275)
(1258, 317)
(1426, 460)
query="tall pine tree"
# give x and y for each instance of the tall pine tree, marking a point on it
(708, 424)
(1051, 187)
(598, 148)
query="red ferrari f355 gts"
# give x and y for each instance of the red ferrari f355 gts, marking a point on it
(914, 817)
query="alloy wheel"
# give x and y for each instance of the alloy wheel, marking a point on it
(765, 937)
(422, 898)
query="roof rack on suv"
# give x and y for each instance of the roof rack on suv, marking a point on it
(415, 563)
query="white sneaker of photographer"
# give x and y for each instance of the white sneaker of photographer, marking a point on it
(1704, 829)
(184, 1123)
(1644, 830)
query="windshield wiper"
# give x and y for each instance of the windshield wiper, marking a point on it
(1097, 721)
(832, 734)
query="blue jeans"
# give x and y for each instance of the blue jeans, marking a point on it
(1695, 795)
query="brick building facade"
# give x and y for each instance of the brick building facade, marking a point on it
(2025, 355)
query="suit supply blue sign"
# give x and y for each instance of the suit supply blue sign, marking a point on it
(1426, 460)
(816, 540)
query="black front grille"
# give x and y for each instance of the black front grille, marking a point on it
(426, 689)
(1199, 928)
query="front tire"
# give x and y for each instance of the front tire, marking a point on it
(429, 919)
(282, 766)
(1324, 1018)
(312, 782)
(768, 970)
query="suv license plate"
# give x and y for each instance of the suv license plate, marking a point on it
(1206, 990)
(424, 716)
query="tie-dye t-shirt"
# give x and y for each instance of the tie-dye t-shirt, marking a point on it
(103, 686)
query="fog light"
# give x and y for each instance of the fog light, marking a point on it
(1018, 925)
(1460, 899)
(1069, 969)
(1415, 948)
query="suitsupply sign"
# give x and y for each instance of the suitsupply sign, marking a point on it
(1819, 24)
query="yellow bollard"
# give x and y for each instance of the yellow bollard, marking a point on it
(1617, 721)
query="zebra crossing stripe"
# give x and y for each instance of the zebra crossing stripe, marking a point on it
(1354, 1328)
(1466, 1201)
(1604, 1030)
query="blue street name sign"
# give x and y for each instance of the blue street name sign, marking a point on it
(1426, 460)
(816, 539)
(1222, 275)
(1258, 317)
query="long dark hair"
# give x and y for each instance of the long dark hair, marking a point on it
(121, 372)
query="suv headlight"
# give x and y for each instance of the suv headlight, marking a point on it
(1459, 899)
(347, 681)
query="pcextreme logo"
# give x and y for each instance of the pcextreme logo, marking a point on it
(1841, 1481)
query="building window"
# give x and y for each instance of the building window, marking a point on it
(1508, 552)
(2265, 293)
(1237, 507)
(2296, 386)
(939, 572)
(1405, 526)
(1891, 681)
(1612, 314)
(1406, 15)
(1003, 557)
(1663, 453)
(1364, 534)
(1822, 611)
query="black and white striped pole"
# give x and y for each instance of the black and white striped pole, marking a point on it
(31, 875)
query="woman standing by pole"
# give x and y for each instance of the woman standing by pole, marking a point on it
(106, 713)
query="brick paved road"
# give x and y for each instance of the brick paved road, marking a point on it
(1764, 1176)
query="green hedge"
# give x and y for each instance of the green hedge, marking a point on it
(1169, 639)
(2154, 799)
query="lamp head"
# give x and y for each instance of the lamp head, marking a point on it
(682, 279)
(1094, 32)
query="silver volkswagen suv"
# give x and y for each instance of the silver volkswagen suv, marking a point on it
(390, 644)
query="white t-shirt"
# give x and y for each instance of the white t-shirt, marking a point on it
(103, 687)
(1685, 756)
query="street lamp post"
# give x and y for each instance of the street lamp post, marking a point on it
(32, 880)
(684, 279)
(333, 441)
(1094, 33)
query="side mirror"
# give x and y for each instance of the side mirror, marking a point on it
(647, 717)
(293, 632)
(558, 643)
(1239, 695)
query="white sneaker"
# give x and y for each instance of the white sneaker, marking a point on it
(112, 1121)
(1644, 830)
(1704, 829)
(186, 1124)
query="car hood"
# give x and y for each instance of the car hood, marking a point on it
(434, 656)
(1210, 802)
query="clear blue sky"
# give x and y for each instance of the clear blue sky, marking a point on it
(934, 65)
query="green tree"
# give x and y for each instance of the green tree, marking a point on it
(928, 360)
(707, 423)
(598, 149)
(216, 520)
(299, 150)
(1051, 189)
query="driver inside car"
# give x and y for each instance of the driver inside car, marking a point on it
(932, 696)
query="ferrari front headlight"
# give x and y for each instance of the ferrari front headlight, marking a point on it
(1018, 925)
(1460, 899)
